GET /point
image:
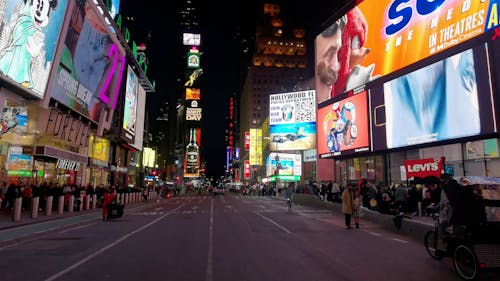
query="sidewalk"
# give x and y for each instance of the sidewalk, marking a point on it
(414, 227)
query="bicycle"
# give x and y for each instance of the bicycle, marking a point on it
(289, 203)
(459, 247)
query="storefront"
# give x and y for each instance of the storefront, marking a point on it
(56, 165)
(472, 158)
(97, 173)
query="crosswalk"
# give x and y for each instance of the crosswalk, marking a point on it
(197, 204)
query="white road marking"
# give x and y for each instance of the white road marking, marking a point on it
(273, 222)
(107, 247)
(400, 240)
(209, 273)
(374, 233)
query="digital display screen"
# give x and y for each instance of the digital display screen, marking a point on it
(343, 126)
(379, 37)
(445, 100)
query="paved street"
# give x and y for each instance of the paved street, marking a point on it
(228, 237)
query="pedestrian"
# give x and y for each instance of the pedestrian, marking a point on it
(356, 207)
(109, 197)
(347, 200)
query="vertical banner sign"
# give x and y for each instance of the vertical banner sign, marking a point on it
(247, 141)
(247, 170)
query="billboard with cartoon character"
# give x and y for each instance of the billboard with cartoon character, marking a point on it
(29, 33)
(377, 38)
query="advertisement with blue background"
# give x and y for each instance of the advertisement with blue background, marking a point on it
(91, 65)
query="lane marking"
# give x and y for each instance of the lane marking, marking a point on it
(107, 247)
(374, 233)
(400, 240)
(209, 273)
(273, 222)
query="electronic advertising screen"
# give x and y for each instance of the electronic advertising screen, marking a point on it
(446, 100)
(292, 119)
(379, 37)
(130, 108)
(28, 39)
(289, 164)
(343, 126)
(89, 74)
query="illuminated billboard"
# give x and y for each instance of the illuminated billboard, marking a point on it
(190, 39)
(343, 126)
(446, 100)
(193, 112)
(148, 157)
(255, 155)
(193, 59)
(379, 37)
(292, 119)
(130, 108)
(289, 164)
(295, 107)
(29, 33)
(91, 67)
(139, 126)
(193, 94)
(192, 155)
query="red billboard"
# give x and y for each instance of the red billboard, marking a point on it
(343, 126)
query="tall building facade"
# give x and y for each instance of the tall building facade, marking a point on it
(279, 63)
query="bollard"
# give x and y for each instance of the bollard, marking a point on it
(71, 203)
(87, 202)
(16, 215)
(80, 208)
(35, 202)
(126, 198)
(60, 205)
(94, 201)
(48, 206)
(419, 209)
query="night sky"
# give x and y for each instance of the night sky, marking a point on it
(220, 59)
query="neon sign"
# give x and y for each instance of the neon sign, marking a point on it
(114, 54)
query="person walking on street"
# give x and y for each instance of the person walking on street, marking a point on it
(347, 200)
(356, 207)
(109, 197)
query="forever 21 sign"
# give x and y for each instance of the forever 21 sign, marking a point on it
(67, 164)
(67, 127)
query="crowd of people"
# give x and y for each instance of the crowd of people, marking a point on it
(28, 191)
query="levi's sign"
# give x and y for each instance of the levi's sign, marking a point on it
(422, 168)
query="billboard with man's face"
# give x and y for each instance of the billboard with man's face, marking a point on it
(380, 37)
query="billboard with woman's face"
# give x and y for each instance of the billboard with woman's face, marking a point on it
(29, 34)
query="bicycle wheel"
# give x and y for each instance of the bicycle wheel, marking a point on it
(465, 262)
(430, 242)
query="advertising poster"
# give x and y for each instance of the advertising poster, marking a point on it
(193, 94)
(130, 108)
(379, 37)
(343, 126)
(90, 71)
(296, 107)
(288, 164)
(13, 119)
(29, 33)
(446, 100)
(438, 102)
(292, 119)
